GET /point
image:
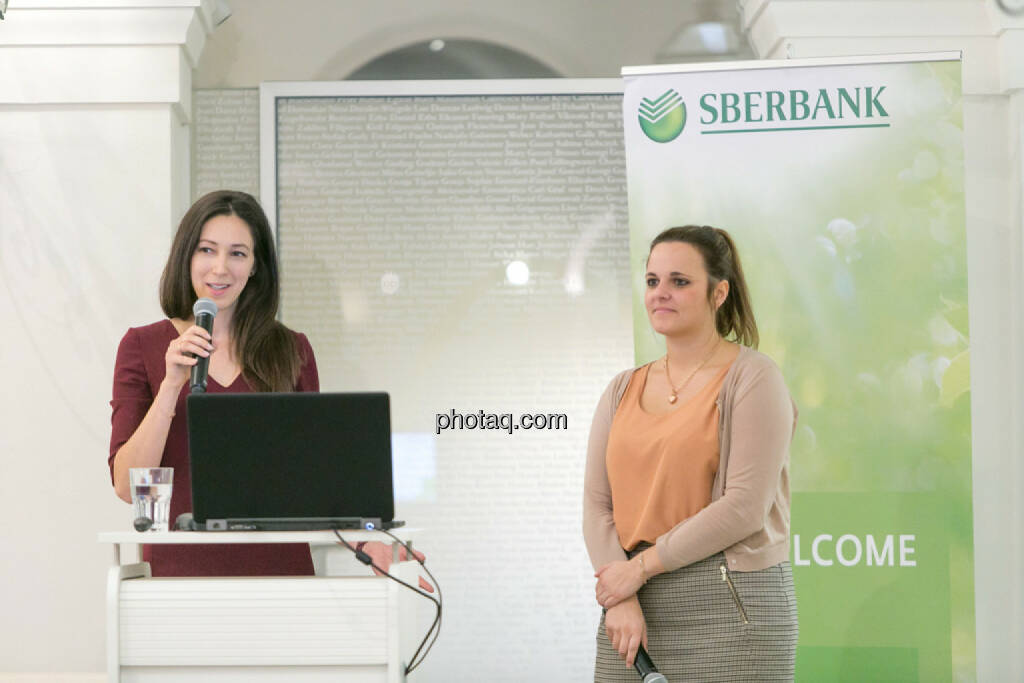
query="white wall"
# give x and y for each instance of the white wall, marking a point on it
(327, 40)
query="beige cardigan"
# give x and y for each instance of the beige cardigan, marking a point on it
(748, 516)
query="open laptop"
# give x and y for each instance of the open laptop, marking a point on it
(290, 461)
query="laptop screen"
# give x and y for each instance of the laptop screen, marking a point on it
(290, 456)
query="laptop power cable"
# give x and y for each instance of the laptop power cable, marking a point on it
(435, 628)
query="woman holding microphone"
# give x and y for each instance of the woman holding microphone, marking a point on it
(686, 493)
(223, 250)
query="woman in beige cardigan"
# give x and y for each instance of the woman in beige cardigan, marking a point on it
(686, 494)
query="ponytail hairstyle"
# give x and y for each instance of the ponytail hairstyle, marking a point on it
(735, 316)
(266, 349)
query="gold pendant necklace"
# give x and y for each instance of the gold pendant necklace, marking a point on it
(675, 391)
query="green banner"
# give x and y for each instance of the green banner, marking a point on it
(842, 185)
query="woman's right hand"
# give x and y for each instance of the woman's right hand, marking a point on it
(195, 340)
(624, 623)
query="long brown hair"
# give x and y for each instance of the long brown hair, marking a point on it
(722, 262)
(264, 347)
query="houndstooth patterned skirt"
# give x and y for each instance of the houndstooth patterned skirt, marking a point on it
(706, 626)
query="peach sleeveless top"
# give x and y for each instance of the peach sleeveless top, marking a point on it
(661, 467)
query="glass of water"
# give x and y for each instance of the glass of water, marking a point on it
(151, 497)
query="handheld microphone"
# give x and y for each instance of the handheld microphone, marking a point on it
(645, 667)
(204, 310)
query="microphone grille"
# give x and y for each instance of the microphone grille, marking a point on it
(204, 305)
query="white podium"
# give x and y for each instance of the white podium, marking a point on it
(343, 624)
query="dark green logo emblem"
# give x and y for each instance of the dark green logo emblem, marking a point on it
(663, 118)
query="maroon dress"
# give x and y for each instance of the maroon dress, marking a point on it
(138, 372)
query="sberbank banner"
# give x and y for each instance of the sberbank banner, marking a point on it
(842, 183)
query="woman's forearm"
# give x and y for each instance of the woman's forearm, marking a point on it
(146, 446)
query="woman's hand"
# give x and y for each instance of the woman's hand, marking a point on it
(624, 623)
(617, 581)
(381, 555)
(195, 340)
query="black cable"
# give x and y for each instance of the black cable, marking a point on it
(437, 618)
(435, 627)
(367, 560)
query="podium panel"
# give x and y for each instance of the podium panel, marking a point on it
(356, 628)
(315, 620)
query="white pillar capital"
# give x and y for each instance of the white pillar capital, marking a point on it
(991, 39)
(102, 51)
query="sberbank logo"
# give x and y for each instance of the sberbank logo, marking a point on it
(767, 111)
(663, 118)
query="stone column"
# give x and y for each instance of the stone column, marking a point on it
(95, 107)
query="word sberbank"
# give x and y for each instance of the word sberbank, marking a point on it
(792, 105)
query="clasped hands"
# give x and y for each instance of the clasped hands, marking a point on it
(621, 579)
(617, 581)
(617, 584)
